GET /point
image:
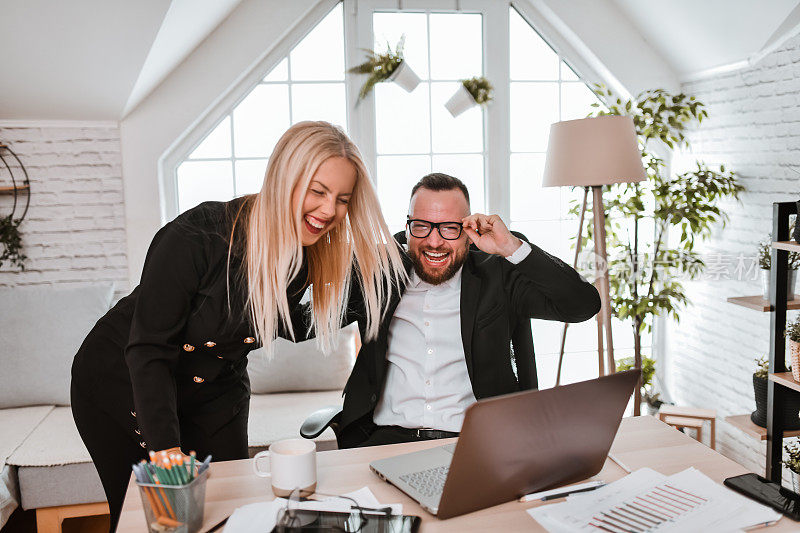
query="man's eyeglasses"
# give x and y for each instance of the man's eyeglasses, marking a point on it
(422, 228)
(292, 519)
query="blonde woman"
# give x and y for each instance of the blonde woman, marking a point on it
(165, 369)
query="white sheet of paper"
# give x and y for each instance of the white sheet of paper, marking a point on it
(253, 518)
(721, 509)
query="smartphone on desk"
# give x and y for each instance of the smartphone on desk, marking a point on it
(766, 492)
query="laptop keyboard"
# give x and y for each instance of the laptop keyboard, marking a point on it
(428, 482)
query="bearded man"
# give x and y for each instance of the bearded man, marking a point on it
(452, 335)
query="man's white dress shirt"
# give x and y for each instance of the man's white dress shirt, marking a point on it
(427, 384)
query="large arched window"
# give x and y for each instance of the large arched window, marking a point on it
(306, 85)
(498, 150)
(544, 89)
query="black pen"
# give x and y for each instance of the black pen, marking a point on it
(568, 492)
(222, 523)
(565, 491)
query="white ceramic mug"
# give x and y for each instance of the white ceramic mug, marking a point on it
(292, 465)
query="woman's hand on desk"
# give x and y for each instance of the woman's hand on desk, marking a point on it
(172, 456)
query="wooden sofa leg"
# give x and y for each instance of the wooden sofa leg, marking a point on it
(49, 519)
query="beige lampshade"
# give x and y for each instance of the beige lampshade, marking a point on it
(593, 151)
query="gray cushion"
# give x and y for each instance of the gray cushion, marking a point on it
(41, 329)
(302, 367)
(47, 486)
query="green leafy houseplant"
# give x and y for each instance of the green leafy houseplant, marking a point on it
(793, 330)
(791, 405)
(793, 462)
(379, 67)
(11, 241)
(645, 267)
(765, 257)
(480, 89)
(648, 367)
(762, 367)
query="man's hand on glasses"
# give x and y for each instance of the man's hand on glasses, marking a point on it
(490, 234)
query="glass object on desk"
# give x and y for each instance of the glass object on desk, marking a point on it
(293, 518)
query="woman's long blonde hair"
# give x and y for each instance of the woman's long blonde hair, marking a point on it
(273, 251)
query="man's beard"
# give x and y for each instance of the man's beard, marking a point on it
(457, 259)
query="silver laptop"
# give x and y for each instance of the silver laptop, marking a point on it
(516, 444)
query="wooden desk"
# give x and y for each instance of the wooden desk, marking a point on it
(641, 441)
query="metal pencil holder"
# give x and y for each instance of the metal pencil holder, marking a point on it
(174, 508)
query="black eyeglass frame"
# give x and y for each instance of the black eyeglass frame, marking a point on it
(437, 225)
(286, 519)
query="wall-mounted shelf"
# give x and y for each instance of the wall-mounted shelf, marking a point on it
(10, 190)
(785, 379)
(786, 245)
(744, 423)
(760, 304)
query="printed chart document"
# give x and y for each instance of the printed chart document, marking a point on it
(646, 501)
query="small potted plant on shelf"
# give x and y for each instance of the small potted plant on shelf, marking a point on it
(793, 341)
(793, 464)
(11, 243)
(765, 263)
(791, 406)
(651, 398)
(471, 92)
(387, 66)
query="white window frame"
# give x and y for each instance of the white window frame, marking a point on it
(496, 130)
(357, 15)
(180, 150)
(361, 118)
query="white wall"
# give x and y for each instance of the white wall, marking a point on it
(753, 128)
(74, 232)
(248, 35)
(606, 41)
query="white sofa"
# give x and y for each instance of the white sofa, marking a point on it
(43, 462)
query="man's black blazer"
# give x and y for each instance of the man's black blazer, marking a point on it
(496, 297)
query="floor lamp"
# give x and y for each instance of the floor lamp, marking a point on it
(590, 153)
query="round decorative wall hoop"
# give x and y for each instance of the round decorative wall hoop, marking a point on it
(13, 181)
(13, 171)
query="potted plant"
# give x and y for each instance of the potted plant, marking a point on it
(793, 340)
(646, 269)
(793, 464)
(11, 242)
(765, 263)
(387, 66)
(471, 92)
(791, 406)
(651, 398)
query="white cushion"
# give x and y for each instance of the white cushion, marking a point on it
(275, 417)
(301, 366)
(41, 329)
(40, 448)
(16, 425)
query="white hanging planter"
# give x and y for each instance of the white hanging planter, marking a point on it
(460, 101)
(405, 77)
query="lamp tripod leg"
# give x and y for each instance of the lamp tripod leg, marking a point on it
(602, 270)
(578, 246)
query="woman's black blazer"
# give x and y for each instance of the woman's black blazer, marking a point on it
(177, 345)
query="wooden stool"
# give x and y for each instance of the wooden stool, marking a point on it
(690, 417)
(49, 519)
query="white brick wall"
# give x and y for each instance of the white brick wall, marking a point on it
(753, 128)
(74, 232)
